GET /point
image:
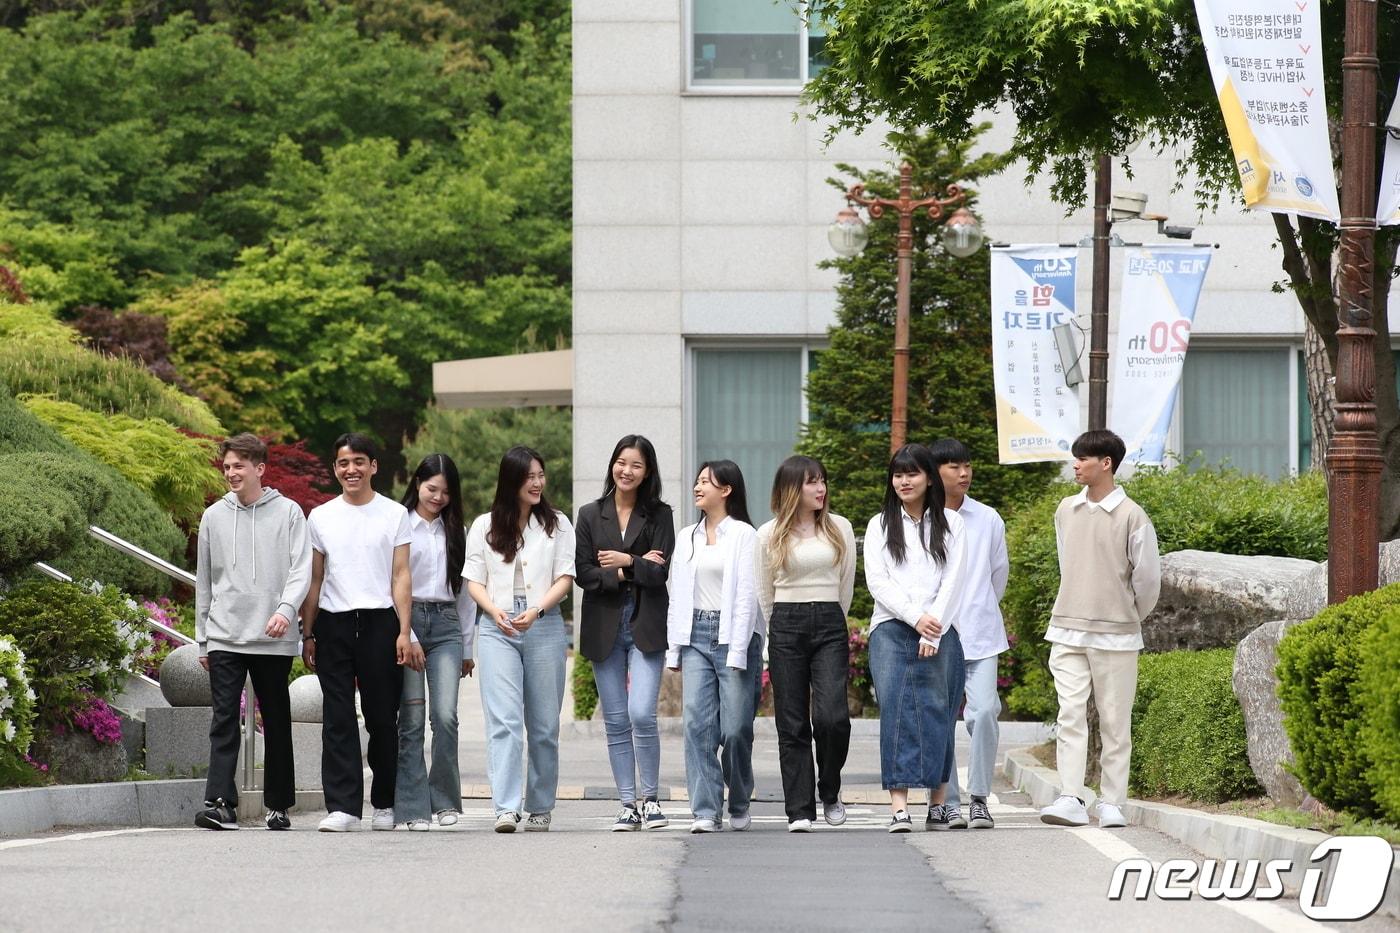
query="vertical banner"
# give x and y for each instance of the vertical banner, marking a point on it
(1032, 292)
(1160, 287)
(1266, 59)
(1388, 210)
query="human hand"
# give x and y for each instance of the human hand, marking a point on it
(503, 621)
(468, 665)
(204, 662)
(610, 560)
(308, 654)
(526, 619)
(409, 653)
(929, 627)
(927, 649)
(277, 625)
(656, 557)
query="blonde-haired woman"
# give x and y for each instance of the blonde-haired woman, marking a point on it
(805, 574)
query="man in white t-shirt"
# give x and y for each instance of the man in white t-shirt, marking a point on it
(355, 624)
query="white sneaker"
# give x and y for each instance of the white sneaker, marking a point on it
(740, 821)
(447, 817)
(834, 813)
(339, 822)
(538, 823)
(704, 826)
(800, 826)
(383, 819)
(1110, 817)
(1065, 811)
(419, 826)
(507, 821)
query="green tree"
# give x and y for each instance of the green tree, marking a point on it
(1083, 79)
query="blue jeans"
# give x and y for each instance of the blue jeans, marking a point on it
(980, 717)
(719, 709)
(418, 792)
(919, 700)
(629, 709)
(522, 691)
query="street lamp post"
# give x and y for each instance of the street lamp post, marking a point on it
(962, 236)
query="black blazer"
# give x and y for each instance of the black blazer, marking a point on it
(596, 530)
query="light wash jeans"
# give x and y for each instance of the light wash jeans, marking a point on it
(980, 716)
(629, 681)
(419, 793)
(718, 703)
(522, 691)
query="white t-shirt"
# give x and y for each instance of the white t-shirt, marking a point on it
(709, 576)
(358, 542)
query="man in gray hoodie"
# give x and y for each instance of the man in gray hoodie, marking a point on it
(254, 571)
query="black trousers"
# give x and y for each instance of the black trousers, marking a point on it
(228, 671)
(358, 647)
(808, 663)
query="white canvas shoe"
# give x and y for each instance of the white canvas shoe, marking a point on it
(1110, 817)
(1065, 811)
(339, 822)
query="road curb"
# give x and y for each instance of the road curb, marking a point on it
(122, 803)
(1214, 835)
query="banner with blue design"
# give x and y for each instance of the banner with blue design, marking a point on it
(1161, 285)
(1032, 293)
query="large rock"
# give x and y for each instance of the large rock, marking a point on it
(307, 698)
(1213, 600)
(1256, 687)
(1307, 595)
(182, 681)
(77, 758)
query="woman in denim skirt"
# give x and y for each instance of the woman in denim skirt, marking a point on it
(913, 561)
(806, 572)
(444, 623)
(711, 629)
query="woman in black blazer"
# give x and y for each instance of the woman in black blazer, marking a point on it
(624, 541)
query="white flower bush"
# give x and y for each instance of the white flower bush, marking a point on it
(16, 702)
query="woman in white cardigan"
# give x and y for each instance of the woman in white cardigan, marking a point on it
(715, 638)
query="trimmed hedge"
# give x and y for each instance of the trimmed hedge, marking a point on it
(585, 689)
(1380, 698)
(46, 504)
(1188, 730)
(1320, 672)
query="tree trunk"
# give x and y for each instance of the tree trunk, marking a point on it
(1387, 404)
(1321, 394)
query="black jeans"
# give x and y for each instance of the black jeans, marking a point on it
(808, 662)
(358, 647)
(228, 670)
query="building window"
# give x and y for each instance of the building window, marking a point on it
(748, 406)
(746, 44)
(1237, 407)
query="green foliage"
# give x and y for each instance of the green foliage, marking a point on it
(175, 468)
(73, 640)
(32, 325)
(1379, 685)
(59, 266)
(584, 687)
(475, 439)
(17, 710)
(1188, 730)
(1320, 689)
(46, 505)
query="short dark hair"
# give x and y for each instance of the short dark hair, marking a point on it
(358, 443)
(949, 450)
(1101, 444)
(248, 446)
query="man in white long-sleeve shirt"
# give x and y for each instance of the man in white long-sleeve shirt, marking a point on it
(1110, 576)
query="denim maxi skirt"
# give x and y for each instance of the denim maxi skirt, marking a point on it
(919, 700)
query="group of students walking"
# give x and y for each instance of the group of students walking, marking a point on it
(401, 600)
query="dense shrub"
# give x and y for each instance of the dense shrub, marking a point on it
(1380, 698)
(140, 337)
(46, 505)
(17, 700)
(32, 325)
(1188, 731)
(1320, 690)
(74, 641)
(585, 688)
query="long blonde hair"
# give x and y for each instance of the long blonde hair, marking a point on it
(785, 503)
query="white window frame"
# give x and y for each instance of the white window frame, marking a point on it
(690, 88)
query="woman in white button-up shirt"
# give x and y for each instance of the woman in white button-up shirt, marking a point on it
(519, 567)
(913, 561)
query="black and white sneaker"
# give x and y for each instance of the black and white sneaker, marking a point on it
(216, 815)
(937, 820)
(628, 819)
(652, 815)
(277, 819)
(981, 816)
(900, 822)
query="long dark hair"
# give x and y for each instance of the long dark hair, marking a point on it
(452, 526)
(727, 473)
(649, 492)
(506, 536)
(915, 458)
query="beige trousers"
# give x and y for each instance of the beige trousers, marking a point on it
(1111, 676)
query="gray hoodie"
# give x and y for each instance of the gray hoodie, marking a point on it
(254, 560)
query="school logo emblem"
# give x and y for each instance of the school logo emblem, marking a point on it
(1305, 187)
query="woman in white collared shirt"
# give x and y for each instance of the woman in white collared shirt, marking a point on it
(521, 555)
(714, 637)
(444, 623)
(913, 561)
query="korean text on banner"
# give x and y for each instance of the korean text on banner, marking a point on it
(1266, 59)
(1388, 210)
(1032, 292)
(1161, 285)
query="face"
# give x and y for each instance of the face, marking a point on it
(433, 495)
(354, 470)
(1090, 470)
(708, 494)
(814, 494)
(239, 472)
(532, 489)
(910, 487)
(957, 478)
(629, 469)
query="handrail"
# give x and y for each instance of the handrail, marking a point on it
(144, 556)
